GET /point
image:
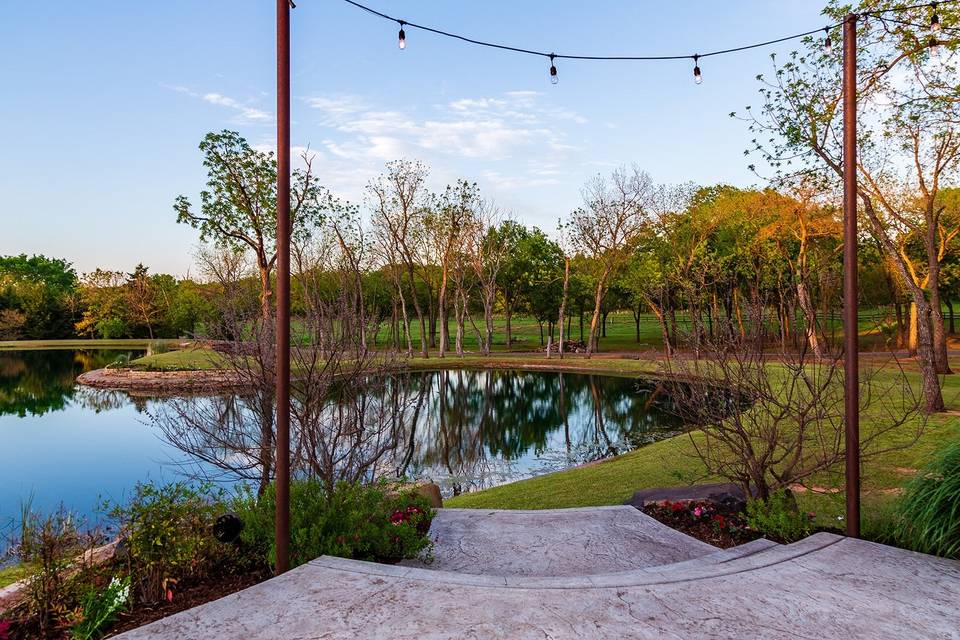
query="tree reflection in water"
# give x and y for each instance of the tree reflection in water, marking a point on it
(474, 429)
(37, 382)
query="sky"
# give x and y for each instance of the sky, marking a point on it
(105, 102)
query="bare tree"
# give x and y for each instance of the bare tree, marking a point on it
(606, 228)
(446, 224)
(767, 421)
(398, 199)
(346, 408)
(486, 254)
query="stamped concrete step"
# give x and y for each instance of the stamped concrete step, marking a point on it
(822, 587)
(555, 542)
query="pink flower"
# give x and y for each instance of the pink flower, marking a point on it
(698, 511)
(5, 629)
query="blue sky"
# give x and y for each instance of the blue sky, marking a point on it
(104, 104)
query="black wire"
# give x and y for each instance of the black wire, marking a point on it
(533, 52)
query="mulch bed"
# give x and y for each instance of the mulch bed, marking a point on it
(715, 524)
(188, 596)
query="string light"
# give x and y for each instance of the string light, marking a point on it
(933, 44)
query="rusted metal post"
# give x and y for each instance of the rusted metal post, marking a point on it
(282, 525)
(851, 342)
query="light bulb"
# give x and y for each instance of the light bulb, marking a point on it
(697, 77)
(402, 38)
(554, 78)
(827, 42)
(934, 19)
(934, 46)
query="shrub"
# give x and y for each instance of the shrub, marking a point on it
(100, 608)
(363, 522)
(778, 517)
(54, 546)
(166, 533)
(928, 515)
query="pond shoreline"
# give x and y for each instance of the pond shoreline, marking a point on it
(161, 381)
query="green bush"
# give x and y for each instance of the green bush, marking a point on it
(363, 522)
(778, 517)
(167, 533)
(928, 515)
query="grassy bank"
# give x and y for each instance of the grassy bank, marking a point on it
(121, 343)
(17, 572)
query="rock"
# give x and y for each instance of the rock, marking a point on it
(726, 494)
(432, 493)
(428, 490)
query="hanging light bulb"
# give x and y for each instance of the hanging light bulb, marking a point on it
(827, 43)
(934, 18)
(554, 79)
(934, 46)
(697, 77)
(402, 36)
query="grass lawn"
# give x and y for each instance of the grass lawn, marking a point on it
(190, 359)
(12, 574)
(120, 343)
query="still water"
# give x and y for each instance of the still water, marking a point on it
(61, 443)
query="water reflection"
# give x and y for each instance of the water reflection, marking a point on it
(37, 382)
(463, 429)
(473, 429)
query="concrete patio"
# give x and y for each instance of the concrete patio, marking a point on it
(647, 582)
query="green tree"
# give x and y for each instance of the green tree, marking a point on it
(38, 297)
(238, 207)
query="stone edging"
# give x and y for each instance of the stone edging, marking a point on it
(160, 381)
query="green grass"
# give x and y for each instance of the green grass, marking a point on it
(191, 359)
(13, 574)
(121, 343)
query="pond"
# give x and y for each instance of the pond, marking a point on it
(61, 443)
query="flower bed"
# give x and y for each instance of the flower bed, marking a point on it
(714, 524)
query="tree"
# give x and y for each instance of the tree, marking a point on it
(768, 420)
(238, 207)
(607, 226)
(38, 297)
(399, 200)
(446, 225)
(909, 146)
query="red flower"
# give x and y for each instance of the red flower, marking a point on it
(5, 629)
(397, 518)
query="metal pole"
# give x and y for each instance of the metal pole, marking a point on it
(850, 332)
(282, 530)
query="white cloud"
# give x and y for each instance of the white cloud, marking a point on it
(244, 113)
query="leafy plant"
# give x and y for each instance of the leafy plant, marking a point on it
(360, 521)
(100, 608)
(55, 545)
(929, 512)
(778, 517)
(167, 535)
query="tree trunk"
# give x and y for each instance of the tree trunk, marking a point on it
(563, 305)
(940, 363)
